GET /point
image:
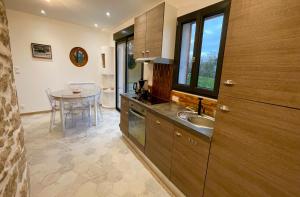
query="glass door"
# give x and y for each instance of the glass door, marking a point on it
(134, 70)
(120, 69)
(127, 70)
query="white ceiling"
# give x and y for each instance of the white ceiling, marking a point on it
(84, 12)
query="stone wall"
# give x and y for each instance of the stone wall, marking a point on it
(14, 180)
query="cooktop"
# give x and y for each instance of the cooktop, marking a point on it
(151, 100)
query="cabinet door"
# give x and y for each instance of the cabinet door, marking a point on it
(154, 33)
(140, 36)
(189, 162)
(255, 151)
(124, 116)
(262, 52)
(159, 139)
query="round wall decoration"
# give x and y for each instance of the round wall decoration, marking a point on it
(79, 56)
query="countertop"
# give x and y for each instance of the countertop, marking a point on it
(169, 111)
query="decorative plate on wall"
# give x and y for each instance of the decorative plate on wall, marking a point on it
(79, 56)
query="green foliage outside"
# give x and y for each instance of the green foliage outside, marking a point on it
(207, 73)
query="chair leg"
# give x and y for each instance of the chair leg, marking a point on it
(90, 115)
(52, 119)
(100, 112)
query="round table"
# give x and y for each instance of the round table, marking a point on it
(69, 96)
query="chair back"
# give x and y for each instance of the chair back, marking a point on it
(83, 86)
(50, 98)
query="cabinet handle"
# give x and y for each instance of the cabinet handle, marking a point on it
(224, 108)
(178, 134)
(157, 122)
(194, 59)
(193, 142)
(229, 82)
(143, 52)
(147, 51)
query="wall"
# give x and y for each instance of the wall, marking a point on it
(188, 6)
(36, 75)
(14, 179)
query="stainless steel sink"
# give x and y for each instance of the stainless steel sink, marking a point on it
(193, 118)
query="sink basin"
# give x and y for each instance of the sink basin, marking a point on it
(193, 118)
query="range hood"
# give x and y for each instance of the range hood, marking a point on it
(155, 60)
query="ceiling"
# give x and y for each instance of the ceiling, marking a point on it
(84, 12)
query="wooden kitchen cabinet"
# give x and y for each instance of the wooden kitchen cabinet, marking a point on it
(155, 32)
(159, 140)
(124, 115)
(140, 26)
(262, 52)
(189, 162)
(255, 150)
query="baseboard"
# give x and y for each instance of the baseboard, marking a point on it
(36, 112)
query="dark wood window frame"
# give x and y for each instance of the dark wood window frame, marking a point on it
(199, 16)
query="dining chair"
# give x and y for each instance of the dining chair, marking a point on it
(78, 108)
(54, 107)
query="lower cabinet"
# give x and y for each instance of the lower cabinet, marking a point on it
(124, 116)
(189, 162)
(159, 140)
(177, 153)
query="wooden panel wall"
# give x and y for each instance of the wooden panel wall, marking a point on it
(162, 81)
(185, 99)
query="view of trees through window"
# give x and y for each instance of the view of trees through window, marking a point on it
(199, 50)
(211, 39)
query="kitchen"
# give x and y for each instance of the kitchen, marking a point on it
(155, 97)
(222, 139)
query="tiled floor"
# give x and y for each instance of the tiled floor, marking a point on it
(87, 164)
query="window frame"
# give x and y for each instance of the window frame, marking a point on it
(199, 17)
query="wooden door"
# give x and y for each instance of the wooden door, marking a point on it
(140, 36)
(154, 33)
(159, 140)
(124, 116)
(255, 151)
(189, 162)
(262, 52)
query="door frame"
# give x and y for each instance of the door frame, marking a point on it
(125, 40)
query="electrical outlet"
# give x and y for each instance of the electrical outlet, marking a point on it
(175, 98)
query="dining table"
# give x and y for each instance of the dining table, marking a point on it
(69, 95)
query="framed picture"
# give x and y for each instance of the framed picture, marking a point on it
(41, 51)
(79, 56)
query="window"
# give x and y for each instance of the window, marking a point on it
(199, 50)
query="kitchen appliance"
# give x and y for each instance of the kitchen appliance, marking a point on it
(136, 127)
(141, 88)
(150, 100)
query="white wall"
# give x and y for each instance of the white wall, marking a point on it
(37, 75)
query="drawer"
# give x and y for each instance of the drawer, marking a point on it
(192, 142)
(159, 123)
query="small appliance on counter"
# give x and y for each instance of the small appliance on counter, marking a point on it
(141, 89)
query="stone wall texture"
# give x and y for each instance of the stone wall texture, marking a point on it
(14, 179)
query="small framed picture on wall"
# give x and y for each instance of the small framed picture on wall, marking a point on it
(41, 51)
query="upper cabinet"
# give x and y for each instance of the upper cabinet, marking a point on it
(262, 54)
(154, 34)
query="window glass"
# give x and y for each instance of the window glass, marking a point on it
(186, 53)
(211, 39)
